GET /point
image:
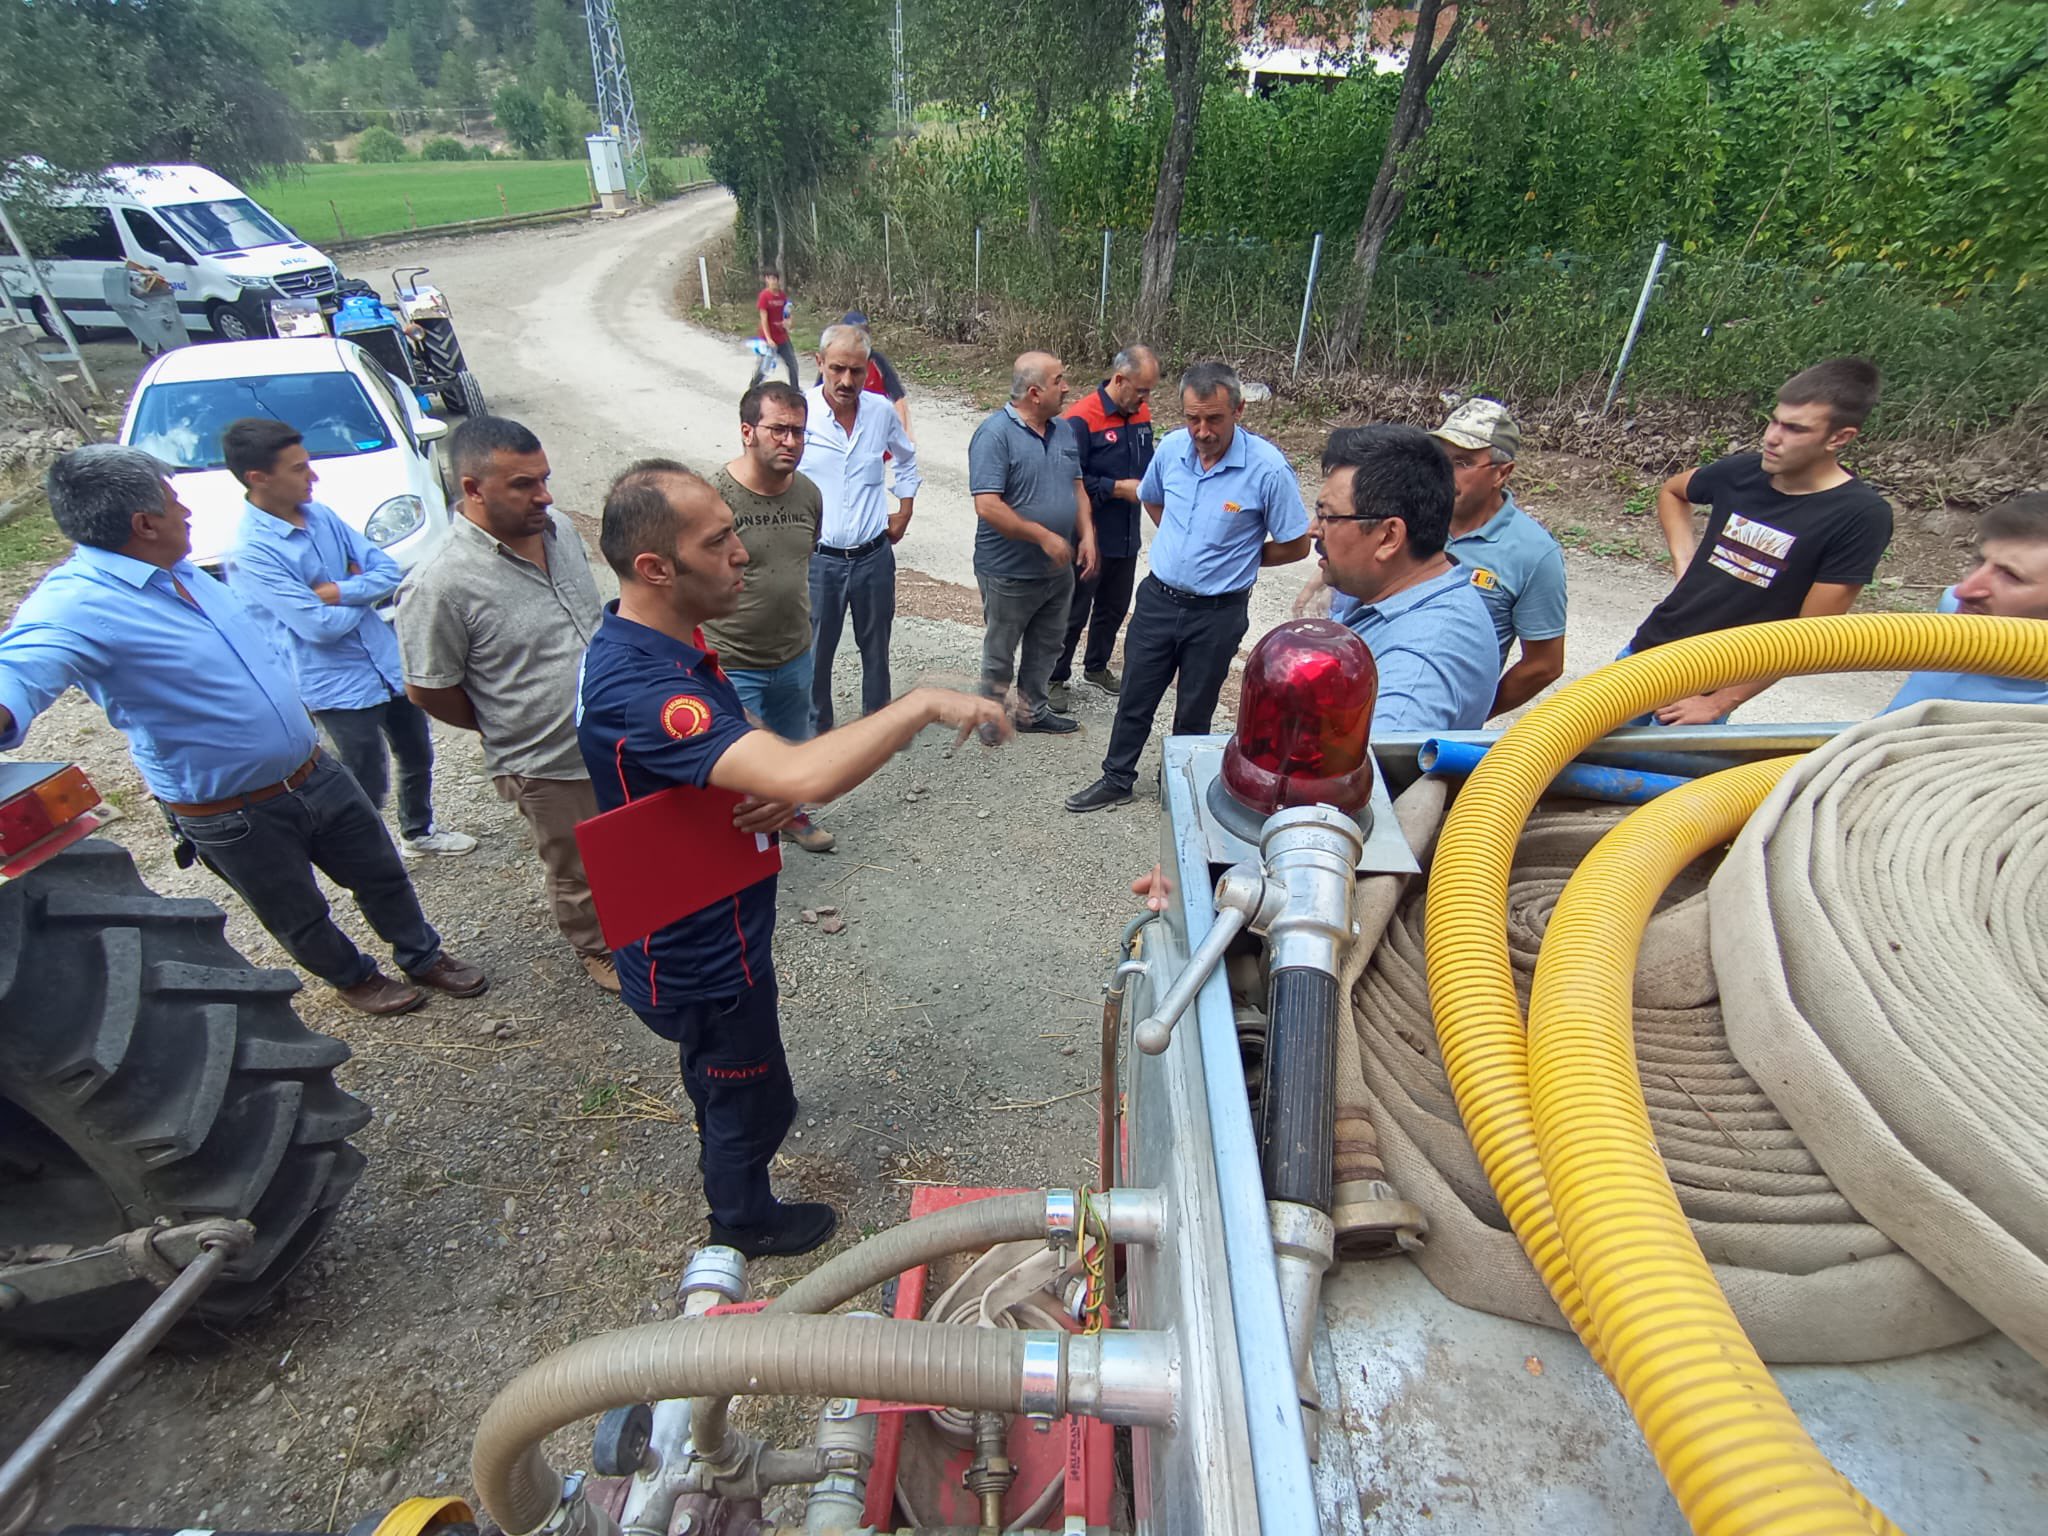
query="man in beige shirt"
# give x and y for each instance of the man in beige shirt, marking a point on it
(764, 645)
(492, 628)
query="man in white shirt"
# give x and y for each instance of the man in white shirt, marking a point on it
(848, 435)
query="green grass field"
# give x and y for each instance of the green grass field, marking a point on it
(371, 199)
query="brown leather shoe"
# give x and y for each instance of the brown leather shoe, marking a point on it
(378, 993)
(458, 978)
(600, 969)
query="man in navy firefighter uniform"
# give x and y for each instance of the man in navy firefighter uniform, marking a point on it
(655, 711)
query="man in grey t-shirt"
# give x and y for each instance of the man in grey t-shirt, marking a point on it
(1034, 530)
(491, 628)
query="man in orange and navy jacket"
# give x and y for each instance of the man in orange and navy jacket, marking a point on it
(1114, 427)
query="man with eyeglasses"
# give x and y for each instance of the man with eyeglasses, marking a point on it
(764, 644)
(1382, 521)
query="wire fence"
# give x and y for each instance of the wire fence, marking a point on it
(1547, 327)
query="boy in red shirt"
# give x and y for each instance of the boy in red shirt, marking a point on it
(774, 306)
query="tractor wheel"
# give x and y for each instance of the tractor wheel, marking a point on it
(471, 394)
(445, 362)
(148, 1071)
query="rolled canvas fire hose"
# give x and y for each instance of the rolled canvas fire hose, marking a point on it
(1734, 1453)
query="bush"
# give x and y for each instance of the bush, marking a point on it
(519, 118)
(324, 152)
(443, 148)
(379, 146)
(482, 152)
(567, 119)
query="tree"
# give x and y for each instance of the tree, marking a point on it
(1188, 25)
(379, 146)
(502, 26)
(1029, 62)
(566, 121)
(1427, 56)
(518, 113)
(459, 86)
(561, 53)
(84, 86)
(780, 97)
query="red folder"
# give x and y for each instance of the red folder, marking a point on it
(660, 858)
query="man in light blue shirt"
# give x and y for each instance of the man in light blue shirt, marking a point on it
(215, 725)
(315, 582)
(2010, 581)
(1382, 522)
(1227, 504)
(1515, 565)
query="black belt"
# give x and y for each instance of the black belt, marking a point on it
(857, 551)
(1182, 599)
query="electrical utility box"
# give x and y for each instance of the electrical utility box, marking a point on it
(608, 171)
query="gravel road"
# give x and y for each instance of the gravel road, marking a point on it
(531, 1179)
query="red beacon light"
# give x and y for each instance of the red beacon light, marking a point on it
(1303, 719)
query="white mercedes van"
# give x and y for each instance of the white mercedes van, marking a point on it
(225, 258)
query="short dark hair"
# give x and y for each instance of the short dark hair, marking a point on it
(640, 515)
(1402, 472)
(95, 492)
(1204, 379)
(1847, 386)
(252, 445)
(2022, 517)
(770, 389)
(472, 445)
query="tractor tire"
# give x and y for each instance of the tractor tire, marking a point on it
(461, 395)
(148, 1072)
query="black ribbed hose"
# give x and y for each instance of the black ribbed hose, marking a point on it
(1298, 1109)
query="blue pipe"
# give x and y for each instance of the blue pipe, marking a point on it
(1581, 781)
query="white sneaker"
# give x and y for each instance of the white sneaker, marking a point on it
(442, 844)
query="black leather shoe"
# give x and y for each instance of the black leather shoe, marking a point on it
(795, 1227)
(1099, 796)
(1049, 724)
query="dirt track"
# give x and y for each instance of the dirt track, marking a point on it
(529, 1179)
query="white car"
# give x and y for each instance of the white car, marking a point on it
(372, 445)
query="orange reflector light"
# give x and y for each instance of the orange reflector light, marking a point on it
(29, 817)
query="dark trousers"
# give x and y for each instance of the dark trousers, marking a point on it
(1026, 614)
(1099, 607)
(358, 737)
(1195, 640)
(866, 588)
(268, 853)
(737, 1077)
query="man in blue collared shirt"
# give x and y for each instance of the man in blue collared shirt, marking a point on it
(215, 725)
(1382, 521)
(316, 582)
(1226, 503)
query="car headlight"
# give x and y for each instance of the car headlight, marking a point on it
(398, 517)
(248, 282)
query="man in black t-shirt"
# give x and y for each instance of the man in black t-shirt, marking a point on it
(1790, 533)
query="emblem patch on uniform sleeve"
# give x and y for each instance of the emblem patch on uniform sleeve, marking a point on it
(1484, 579)
(685, 715)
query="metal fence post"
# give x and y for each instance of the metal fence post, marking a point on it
(816, 241)
(1102, 298)
(1635, 326)
(704, 281)
(1308, 299)
(977, 261)
(888, 266)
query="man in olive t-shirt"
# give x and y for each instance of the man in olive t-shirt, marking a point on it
(764, 645)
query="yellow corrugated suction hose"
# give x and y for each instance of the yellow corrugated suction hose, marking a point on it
(1707, 1449)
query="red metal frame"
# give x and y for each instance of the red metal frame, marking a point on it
(1084, 1447)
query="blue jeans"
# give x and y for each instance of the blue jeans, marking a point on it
(1651, 717)
(779, 697)
(268, 853)
(866, 588)
(358, 737)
